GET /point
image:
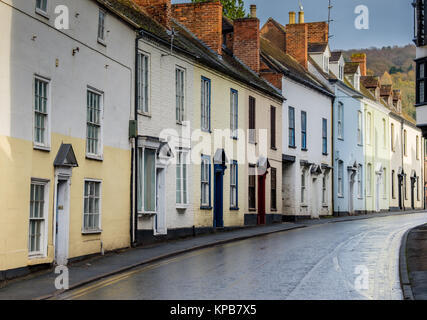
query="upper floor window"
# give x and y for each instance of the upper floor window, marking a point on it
(41, 5)
(94, 123)
(341, 72)
(405, 143)
(419, 22)
(368, 128)
(180, 94)
(273, 127)
(340, 121)
(392, 138)
(359, 128)
(41, 112)
(234, 113)
(252, 120)
(421, 80)
(101, 25)
(291, 127)
(324, 136)
(357, 81)
(384, 133)
(206, 104)
(303, 130)
(326, 63)
(143, 83)
(418, 147)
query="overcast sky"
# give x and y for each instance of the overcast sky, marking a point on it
(390, 21)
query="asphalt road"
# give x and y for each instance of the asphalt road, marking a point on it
(337, 261)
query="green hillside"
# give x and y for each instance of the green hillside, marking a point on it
(399, 63)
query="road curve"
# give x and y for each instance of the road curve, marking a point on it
(336, 261)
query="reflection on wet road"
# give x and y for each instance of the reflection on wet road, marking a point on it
(340, 261)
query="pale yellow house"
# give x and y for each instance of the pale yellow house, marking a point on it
(65, 155)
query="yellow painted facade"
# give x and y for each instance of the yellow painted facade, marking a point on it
(220, 120)
(20, 163)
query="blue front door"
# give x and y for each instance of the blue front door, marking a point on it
(219, 196)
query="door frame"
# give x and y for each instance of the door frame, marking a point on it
(261, 217)
(218, 207)
(160, 200)
(62, 174)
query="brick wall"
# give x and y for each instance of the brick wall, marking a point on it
(361, 58)
(318, 32)
(204, 19)
(297, 42)
(159, 10)
(274, 78)
(246, 43)
(276, 36)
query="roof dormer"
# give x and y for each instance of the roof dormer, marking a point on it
(352, 73)
(321, 54)
(336, 64)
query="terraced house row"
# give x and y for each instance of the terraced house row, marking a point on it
(143, 121)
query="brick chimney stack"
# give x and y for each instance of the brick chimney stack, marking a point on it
(246, 42)
(204, 19)
(361, 58)
(318, 32)
(297, 42)
(160, 10)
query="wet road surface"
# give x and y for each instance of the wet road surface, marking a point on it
(337, 261)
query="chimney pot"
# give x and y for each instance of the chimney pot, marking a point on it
(292, 17)
(301, 17)
(253, 10)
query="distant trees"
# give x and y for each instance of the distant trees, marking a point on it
(233, 9)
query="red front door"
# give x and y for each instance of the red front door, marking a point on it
(261, 199)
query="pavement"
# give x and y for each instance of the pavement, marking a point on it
(413, 260)
(41, 285)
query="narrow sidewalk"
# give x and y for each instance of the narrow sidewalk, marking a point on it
(42, 285)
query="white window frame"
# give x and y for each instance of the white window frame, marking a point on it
(45, 220)
(340, 178)
(384, 182)
(393, 140)
(360, 181)
(180, 94)
(205, 182)
(325, 190)
(100, 147)
(326, 63)
(141, 178)
(369, 180)
(206, 101)
(144, 84)
(340, 126)
(384, 133)
(182, 159)
(360, 128)
(99, 228)
(101, 26)
(40, 11)
(234, 176)
(234, 113)
(369, 128)
(303, 186)
(47, 131)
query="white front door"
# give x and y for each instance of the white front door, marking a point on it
(160, 220)
(62, 221)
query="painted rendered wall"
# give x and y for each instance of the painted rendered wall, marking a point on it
(108, 69)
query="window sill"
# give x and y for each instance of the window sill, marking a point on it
(252, 210)
(41, 148)
(206, 208)
(304, 206)
(182, 206)
(234, 138)
(325, 206)
(274, 210)
(42, 13)
(144, 114)
(340, 138)
(304, 150)
(325, 154)
(292, 147)
(234, 209)
(37, 256)
(146, 214)
(92, 232)
(206, 131)
(102, 42)
(273, 148)
(94, 157)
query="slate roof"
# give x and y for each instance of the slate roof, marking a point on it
(335, 56)
(188, 44)
(351, 67)
(370, 81)
(65, 157)
(317, 47)
(282, 62)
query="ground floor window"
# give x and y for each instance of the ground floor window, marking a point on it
(369, 180)
(92, 206)
(234, 169)
(325, 190)
(393, 193)
(385, 184)
(181, 178)
(38, 214)
(359, 181)
(273, 189)
(147, 180)
(206, 181)
(303, 186)
(340, 178)
(252, 188)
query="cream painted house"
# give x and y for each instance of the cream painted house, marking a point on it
(64, 146)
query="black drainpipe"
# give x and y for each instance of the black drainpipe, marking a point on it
(134, 234)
